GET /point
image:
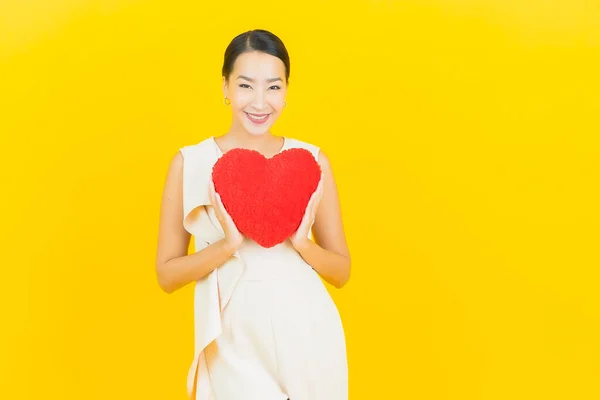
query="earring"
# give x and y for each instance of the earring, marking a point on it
(226, 101)
(285, 104)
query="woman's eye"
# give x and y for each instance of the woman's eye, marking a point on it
(275, 86)
(244, 85)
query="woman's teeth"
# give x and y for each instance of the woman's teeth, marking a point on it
(257, 118)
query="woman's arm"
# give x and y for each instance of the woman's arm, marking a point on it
(328, 254)
(174, 267)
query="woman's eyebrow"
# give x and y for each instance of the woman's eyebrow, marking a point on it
(252, 80)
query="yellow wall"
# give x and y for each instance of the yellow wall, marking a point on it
(464, 138)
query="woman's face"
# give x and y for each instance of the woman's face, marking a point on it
(257, 91)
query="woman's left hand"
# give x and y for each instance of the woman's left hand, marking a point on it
(301, 233)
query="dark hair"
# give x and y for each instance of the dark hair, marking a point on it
(255, 40)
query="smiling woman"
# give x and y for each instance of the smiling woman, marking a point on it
(266, 327)
(260, 75)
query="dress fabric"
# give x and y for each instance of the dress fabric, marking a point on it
(265, 325)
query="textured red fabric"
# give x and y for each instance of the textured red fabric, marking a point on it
(266, 197)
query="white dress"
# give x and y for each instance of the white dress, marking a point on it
(265, 326)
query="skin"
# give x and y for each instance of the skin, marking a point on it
(328, 254)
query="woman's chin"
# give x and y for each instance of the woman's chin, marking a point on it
(255, 129)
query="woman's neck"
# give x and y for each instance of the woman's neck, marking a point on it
(266, 144)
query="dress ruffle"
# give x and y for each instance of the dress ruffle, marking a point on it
(212, 292)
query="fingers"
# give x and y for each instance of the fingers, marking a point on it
(313, 210)
(313, 202)
(316, 198)
(215, 197)
(321, 189)
(303, 221)
(211, 192)
(318, 190)
(217, 203)
(223, 211)
(303, 226)
(220, 205)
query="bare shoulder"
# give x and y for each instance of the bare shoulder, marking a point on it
(176, 163)
(328, 174)
(324, 160)
(173, 187)
(173, 239)
(174, 177)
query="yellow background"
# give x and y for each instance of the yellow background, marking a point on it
(464, 139)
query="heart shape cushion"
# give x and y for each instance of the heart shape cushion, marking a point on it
(266, 197)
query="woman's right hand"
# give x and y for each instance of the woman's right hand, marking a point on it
(233, 237)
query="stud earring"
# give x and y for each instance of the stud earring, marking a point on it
(226, 101)
(285, 104)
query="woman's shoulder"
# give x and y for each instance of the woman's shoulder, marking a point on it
(196, 158)
(203, 145)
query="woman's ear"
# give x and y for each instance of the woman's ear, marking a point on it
(225, 87)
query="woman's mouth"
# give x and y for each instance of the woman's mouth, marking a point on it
(257, 118)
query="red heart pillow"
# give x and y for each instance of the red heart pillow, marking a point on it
(266, 197)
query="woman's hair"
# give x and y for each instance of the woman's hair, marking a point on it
(255, 40)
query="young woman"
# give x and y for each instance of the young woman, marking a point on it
(265, 325)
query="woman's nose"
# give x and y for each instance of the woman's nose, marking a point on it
(258, 102)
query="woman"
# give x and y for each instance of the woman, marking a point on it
(265, 325)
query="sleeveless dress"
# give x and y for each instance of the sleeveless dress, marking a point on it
(265, 327)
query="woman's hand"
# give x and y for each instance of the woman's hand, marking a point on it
(301, 233)
(233, 237)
